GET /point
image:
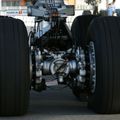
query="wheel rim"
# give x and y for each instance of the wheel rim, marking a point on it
(30, 55)
(92, 63)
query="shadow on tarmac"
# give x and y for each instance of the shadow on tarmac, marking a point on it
(57, 102)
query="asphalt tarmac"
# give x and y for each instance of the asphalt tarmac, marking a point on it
(59, 104)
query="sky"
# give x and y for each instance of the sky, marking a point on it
(117, 4)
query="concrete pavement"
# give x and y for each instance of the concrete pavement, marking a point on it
(59, 105)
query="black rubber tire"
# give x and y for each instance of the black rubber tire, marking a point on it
(79, 33)
(14, 67)
(105, 33)
(79, 29)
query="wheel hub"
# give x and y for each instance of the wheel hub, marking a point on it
(92, 66)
